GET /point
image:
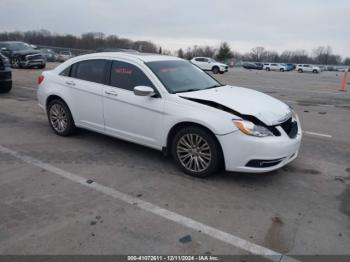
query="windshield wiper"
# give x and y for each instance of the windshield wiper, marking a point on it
(213, 86)
(188, 90)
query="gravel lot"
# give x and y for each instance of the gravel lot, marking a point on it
(304, 208)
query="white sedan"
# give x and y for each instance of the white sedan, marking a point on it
(168, 104)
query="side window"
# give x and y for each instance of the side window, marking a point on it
(91, 70)
(66, 72)
(127, 76)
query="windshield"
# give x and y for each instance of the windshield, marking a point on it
(181, 76)
(18, 46)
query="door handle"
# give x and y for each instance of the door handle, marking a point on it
(70, 83)
(111, 93)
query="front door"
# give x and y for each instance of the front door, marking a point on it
(135, 118)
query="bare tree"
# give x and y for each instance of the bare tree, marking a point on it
(257, 53)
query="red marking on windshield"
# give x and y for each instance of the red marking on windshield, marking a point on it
(124, 71)
(170, 69)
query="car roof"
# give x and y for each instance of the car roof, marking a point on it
(12, 42)
(145, 57)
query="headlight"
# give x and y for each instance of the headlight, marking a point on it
(251, 129)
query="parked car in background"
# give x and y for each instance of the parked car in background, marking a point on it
(49, 55)
(290, 67)
(253, 66)
(22, 55)
(174, 107)
(64, 56)
(308, 68)
(275, 67)
(340, 69)
(5, 75)
(209, 64)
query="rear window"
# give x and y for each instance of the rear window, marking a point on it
(92, 70)
(66, 72)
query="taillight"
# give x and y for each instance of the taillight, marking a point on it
(40, 79)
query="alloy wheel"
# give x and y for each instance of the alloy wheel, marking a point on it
(194, 152)
(58, 118)
(15, 63)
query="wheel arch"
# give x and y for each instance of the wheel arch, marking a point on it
(55, 96)
(178, 126)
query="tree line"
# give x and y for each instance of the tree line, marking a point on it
(88, 41)
(320, 55)
(94, 40)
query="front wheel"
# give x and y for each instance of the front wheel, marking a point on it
(15, 63)
(282, 70)
(300, 70)
(60, 118)
(216, 70)
(196, 152)
(268, 69)
(315, 71)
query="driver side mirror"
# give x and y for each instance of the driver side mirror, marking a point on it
(143, 91)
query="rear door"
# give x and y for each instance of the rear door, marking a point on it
(274, 67)
(86, 86)
(307, 68)
(202, 63)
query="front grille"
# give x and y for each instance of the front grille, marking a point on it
(259, 163)
(34, 57)
(290, 127)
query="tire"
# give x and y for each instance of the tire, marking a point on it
(282, 70)
(42, 66)
(300, 70)
(64, 123)
(15, 63)
(215, 70)
(192, 161)
(268, 69)
(315, 71)
(221, 72)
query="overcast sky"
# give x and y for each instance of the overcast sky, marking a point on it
(274, 24)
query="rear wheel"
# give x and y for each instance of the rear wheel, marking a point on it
(282, 69)
(300, 70)
(60, 118)
(215, 70)
(315, 71)
(196, 152)
(268, 69)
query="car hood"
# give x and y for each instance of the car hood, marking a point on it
(246, 102)
(27, 52)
